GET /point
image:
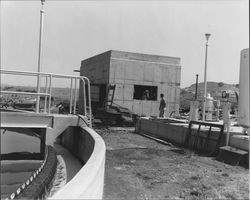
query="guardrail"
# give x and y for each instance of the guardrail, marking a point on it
(48, 90)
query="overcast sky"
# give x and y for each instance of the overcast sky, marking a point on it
(76, 30)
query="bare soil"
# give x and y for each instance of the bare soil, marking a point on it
(141, 168)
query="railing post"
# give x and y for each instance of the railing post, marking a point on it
(75, 97)
(70, 104)
(50, 91)
(84, 95)
(38, 97)
(46, 91)
(90, 110)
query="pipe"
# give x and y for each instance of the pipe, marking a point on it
(196, 86)
(40, 54)
(205, 79)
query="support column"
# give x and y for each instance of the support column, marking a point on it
(42, 142)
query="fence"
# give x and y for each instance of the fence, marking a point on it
(48, 90)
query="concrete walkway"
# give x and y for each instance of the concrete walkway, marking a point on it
(73, 165)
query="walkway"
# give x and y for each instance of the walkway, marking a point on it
(73, 165)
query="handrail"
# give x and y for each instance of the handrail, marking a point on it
(48, 89)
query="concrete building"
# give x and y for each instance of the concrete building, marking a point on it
(139, 80)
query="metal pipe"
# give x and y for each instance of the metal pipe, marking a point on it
(46, 91)
(70, 104)
(196, 86)
(40, 54)
(50, 91)
(84, 101)
(205, 79)
(28, 73)
(74, 112)
(23, 93)
(90, 110)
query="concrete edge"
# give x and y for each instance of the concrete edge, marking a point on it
(36, 189)
(88, 183)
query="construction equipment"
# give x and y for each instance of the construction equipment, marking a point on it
(111, 113)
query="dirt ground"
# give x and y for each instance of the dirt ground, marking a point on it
(141, 168)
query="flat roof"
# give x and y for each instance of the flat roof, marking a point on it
(122, 55)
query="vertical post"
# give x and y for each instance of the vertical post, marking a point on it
(74, 111)
(70, 104)
(205, 79)
(42, 142)
(89, 104)
(226, 120)
(46, 97)
(39, 55)
(84, 98)
(196, 86)
(50, 91)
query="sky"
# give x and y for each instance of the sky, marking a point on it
(76, 30)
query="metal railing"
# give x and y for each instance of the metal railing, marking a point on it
(48, 90)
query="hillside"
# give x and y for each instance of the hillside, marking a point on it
(214, 88)
(59, 94)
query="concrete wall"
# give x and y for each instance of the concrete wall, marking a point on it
(60, 124)
(96, 68)
(89, 147)
(176, 132)
(128, 69)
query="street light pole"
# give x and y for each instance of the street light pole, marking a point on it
(205, 79)
(40, 54)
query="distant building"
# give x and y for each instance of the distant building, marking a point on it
(139, 80)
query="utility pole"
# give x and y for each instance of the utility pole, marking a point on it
(40, 55)
(207, 35)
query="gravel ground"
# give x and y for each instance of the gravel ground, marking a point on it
(141, 168)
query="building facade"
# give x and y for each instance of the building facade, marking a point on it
(139, 80)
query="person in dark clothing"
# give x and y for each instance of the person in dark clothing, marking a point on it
(162, 105)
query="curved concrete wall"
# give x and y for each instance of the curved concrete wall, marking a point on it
(90, 148)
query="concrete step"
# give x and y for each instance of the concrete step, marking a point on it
(231, 155)
(240, 142)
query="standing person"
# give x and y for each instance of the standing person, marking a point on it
(145, 95)
(162, 105)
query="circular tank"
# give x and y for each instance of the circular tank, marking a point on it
(244, 88)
